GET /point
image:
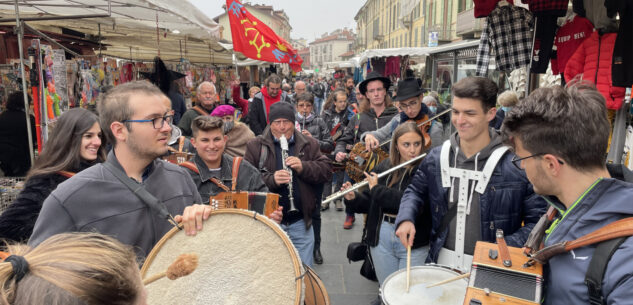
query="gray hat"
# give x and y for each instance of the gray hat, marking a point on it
(281, 110)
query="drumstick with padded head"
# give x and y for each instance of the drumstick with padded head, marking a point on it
(184, 265)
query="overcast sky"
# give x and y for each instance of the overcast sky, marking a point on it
(308, 19)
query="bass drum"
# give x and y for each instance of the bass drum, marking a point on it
(315, 293)
(394, 288)
(243, 258)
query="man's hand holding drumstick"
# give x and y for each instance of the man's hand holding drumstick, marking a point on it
(406, 233)
(193, 216)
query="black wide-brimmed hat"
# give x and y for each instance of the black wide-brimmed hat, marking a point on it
(407, 89)
(372, 76)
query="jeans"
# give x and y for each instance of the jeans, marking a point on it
(318, 102)
(390, 255)
(302, 239)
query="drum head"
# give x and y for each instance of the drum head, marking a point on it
(394, 289)
(244, 258)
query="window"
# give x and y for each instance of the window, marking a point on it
(416, 38)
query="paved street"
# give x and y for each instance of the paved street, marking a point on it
(342, 280)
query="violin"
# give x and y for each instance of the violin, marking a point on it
(425, 125)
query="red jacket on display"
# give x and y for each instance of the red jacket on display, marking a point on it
(484, 7)
(568, 39)
(593, 60)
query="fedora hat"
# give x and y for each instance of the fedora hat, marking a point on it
(372, 76)
(407, 89)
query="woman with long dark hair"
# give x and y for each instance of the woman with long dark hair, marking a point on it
(381, 202)
(74, 145)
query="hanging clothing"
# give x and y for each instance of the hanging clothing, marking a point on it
(392, 66)
(507, 31)
(568, 38)
(596, 12)
(622, 71)
(547, 7)
(593, 61)
(543, 41)
(484, 7)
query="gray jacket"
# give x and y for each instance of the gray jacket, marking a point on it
(385, 133)
(94, 200)
(248, 179)
(604, 202)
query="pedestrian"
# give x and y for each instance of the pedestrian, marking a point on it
(15, 158)
(258, 116)
(206, 102)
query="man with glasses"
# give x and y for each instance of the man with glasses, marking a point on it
(207, 100)
(259, 109)
(470, 183)
(310, 170)
(409, 95)
(560, 136)
(100, 199)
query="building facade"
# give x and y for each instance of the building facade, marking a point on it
(277, 20)
(330, 47)
(381, 24)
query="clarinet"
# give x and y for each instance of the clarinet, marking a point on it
(284, 155)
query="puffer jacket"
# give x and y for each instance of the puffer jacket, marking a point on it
(606, 201)
(317, 127)
(508, 203)
(592, 60)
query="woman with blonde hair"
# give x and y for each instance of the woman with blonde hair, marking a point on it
(72, 269)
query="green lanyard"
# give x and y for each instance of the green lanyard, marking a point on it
(564, 214)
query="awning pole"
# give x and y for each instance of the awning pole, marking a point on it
(20, 29)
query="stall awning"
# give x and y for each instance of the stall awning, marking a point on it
(371, 53)
(132, 28)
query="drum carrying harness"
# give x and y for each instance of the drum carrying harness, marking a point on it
(479, 181)
(234, 172)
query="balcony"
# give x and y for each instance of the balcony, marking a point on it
(467, 25)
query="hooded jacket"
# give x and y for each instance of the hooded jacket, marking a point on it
(592, 60)
(383, 199)
(606, 201)
(257, 114)
(318, 129)
(317, 168)
(367, 121)
(508, 202)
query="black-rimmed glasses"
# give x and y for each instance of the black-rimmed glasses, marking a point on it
(158, 122)
(517, 161)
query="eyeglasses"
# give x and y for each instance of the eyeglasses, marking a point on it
(158, 122)
(517, 161)
(407, 106)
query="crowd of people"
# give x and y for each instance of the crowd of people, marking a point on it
(102, 174)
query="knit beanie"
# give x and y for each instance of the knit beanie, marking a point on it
(281, 110)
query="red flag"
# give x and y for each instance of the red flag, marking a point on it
(256, 40)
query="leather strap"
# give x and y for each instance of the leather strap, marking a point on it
(152, 202)
(236, 169)
(66, 174)
(199, 110)
(190, 165)
(181, 143)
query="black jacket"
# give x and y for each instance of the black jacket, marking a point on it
(622, 65)
(257, 116)
(367, 121)
(15, 159)
(383, 199)
(318, 129)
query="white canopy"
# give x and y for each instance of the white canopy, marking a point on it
(371, 53)
(131, 29)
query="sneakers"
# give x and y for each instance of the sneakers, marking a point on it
(325, 206)
(349, 222)
(339, 205)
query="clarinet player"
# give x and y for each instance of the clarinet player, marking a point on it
(300, 176)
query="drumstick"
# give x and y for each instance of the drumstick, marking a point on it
(183, 265)
(465, 275)
(408, 266)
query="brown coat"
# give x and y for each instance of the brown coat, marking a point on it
(317, 168)
(239, 136)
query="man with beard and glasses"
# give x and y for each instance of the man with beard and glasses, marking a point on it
(237, 132)
(206, 95)
(100, 199)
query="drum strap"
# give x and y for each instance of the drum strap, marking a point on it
(137, 188)
(181, 143)
(236, 169)
(479, 181)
